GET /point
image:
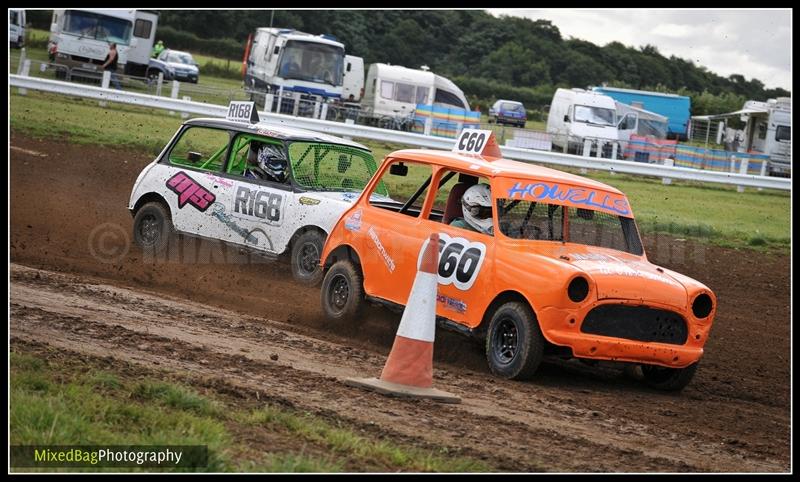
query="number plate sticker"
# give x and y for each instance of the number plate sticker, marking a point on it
(253, 202)
(460, 260)
(242, 112)
(477, 141)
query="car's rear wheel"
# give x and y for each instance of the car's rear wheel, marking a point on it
(669, 379)
(342, 291)
(152, 227)
(514, 342)
(306, 250)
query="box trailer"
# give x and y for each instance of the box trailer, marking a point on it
(676, 108)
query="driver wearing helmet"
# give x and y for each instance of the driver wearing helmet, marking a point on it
(476, 204)
(266, 162)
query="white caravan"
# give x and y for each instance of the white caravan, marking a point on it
(392, 90)
(288, 61)
(16, 27)
(79, 39)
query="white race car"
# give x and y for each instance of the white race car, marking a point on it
(262, 187)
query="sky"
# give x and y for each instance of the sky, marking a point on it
(754, 43)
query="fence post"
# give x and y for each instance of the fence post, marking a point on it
(104, 84)
(349, 121)
(26, 68)
(763, 171)
(160, 83)
(324, 114)
(317, 109)
(296, 108)
(268, 99)
(614, 148)
(429, 124)
(22, 58)
(733, 163)
(742, 170)
(174, 94)
(587, 147)
(670, 163)
(185, 115)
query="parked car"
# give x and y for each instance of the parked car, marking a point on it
(175, 65)
(555, 264)
(261, 187)
(508, 112)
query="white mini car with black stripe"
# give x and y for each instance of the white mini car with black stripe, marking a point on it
(206, 183)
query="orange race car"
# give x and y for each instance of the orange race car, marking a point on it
(530, 258)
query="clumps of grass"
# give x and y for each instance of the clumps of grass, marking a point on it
(176, 396)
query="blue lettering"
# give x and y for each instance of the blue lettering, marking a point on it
(573, 195)
(517, 190)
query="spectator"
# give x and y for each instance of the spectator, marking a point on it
(110, 64)
(158, 48)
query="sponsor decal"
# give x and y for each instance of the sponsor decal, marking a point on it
(269, 133)
(460, 260)
(190, 191)
(542, 191)
(452, 303)
(589, 257)
(386, 258)
(259, 204)
(221, 180)
(349, 196)
(308, 201)
(353, 222)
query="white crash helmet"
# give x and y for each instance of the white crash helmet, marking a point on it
(476, 204)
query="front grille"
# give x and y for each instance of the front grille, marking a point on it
(640, 323)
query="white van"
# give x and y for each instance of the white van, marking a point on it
(16, 27)
(353, 83)
(576, 115)
(393, 90)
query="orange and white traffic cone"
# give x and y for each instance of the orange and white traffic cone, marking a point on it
(409, 369)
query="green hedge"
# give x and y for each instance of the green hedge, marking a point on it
(223, 48)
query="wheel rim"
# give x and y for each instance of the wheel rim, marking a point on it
(309, 258)
(505, 341)
(149, 229)
(338, 293)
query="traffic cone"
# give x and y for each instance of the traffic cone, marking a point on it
(409, 368)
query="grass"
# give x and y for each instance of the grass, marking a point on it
(80, 403)
(715, 213)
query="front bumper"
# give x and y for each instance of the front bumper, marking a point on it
(563, 327)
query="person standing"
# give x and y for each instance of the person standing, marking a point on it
(110, 64)
(158, 48)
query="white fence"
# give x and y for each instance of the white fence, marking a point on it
(406, 138)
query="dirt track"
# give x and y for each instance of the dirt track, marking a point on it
(225, 321)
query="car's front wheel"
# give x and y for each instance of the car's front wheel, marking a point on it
(669, 379)
(152, 227)
(514, 342)
(342, 291)
(306, 251)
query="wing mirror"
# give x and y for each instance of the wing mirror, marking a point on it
(398, 170)
(566, 118)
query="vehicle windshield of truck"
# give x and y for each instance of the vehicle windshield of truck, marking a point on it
(313, 62)
(508, 106)
(332, 167)
(594, 115)
(13, 17)
(541, 221)
(98, 27)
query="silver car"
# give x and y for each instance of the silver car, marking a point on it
(175, 65)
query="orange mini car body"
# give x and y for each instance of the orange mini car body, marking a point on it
(563, 262)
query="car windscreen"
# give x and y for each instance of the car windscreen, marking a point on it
(313, 62)
(541, 221)
(331, 167)
(507, 106)
(98, 27)
(594, 115)
(180, 58)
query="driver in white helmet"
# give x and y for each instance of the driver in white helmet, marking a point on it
(476, 204)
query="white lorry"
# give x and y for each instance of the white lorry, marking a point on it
(293, 64)
(16, 27)
(79, 39)
(580, 119)
(769, 131)
(392, 90)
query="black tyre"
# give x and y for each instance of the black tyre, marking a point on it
(306, 250)
(514, 342)
(342, 291)
(152, 227)
(668, 379)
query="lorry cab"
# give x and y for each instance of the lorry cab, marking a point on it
(576, 115)
(16, 27)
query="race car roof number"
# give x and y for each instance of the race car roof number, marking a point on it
(241, 111)
(477, 142)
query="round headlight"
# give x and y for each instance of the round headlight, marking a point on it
(578, 289)
(702, 306)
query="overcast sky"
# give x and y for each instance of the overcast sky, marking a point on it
(754, 43)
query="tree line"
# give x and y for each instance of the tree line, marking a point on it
(487, 56)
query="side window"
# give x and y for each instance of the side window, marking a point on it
(201, 148)
(407, 184)
(530, 220)
(405, 92)
(422, 95)
(762, 130)
(142, 28)
(783, 133)
(245, 156)
(445, 97)
(449, 209)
